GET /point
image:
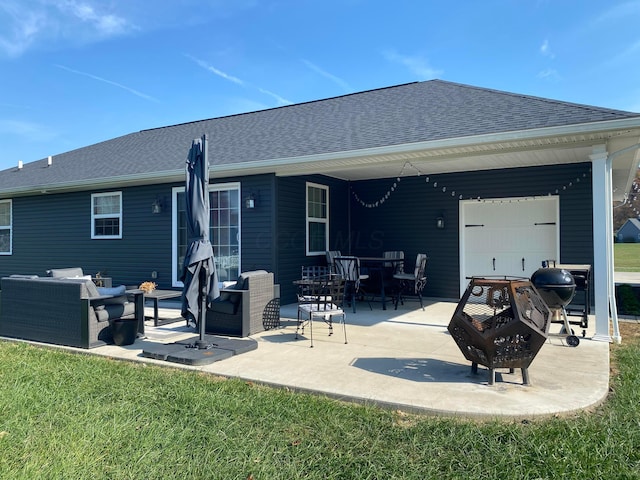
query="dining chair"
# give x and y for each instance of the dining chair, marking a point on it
(322, 298)
(310, 273)
(349, 268)
(394, 266)
(331, 259)
(411, 283)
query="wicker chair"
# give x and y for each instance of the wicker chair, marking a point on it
(239, 310)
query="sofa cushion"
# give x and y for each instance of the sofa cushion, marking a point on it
(113, 311)
(101, 313)
(119, 294)
(66, 272)
(119, 290)
(224, 306)
(92, 290)
(89, 289)
(231, 296)
(241, 284)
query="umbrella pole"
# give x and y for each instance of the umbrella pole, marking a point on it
(201, 343)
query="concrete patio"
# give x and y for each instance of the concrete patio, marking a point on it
(404, 360)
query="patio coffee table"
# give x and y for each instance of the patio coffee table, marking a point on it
(161, 295)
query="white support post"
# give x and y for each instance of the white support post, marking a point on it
(604, 289)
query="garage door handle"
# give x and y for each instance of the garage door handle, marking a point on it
(523, 264)
(494, 264)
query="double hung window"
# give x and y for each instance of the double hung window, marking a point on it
(317, 200)
(106, 215)
(6, 227)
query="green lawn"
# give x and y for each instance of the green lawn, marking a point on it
(627, 257)
(76, 416)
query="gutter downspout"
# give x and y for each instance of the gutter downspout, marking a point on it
(349, 215)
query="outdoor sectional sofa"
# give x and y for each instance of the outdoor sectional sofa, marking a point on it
(241, 308)
(64, 311)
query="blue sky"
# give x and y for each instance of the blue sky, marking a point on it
(77, 72)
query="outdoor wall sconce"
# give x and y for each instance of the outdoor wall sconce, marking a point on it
(250, 201)
(156, 206)
(440, 222)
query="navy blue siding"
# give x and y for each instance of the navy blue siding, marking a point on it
(291, 227)
(258, 225)
(406, 220)
(54, 231)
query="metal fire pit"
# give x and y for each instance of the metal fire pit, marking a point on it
(500, 323)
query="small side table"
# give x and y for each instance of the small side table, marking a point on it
(160, 295)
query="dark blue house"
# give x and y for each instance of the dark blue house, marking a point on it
(629, 232)
(514, 180)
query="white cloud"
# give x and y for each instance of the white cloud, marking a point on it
(115, 84)
(626, 55)
(549, 74)
(21, 27)
(546, 50)
(418, 65)
(30, 130)
(281, 101)
(238, 81)
(215, 71)
(344, 85)
(621, 11)
(106, 23)
(27, 23)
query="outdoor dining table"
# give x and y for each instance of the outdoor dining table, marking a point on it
(379, 264)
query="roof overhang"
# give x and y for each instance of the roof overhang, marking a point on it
(537, 147)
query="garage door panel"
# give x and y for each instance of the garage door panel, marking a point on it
(508, 237)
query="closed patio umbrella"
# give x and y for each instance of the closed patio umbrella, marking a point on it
(199, 270)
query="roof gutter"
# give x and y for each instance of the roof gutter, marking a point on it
(106, 182)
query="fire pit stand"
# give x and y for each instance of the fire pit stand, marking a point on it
(500, 323)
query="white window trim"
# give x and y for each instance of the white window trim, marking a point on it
(315, 220)
(111, 215)
(175, 282)
(9, 227)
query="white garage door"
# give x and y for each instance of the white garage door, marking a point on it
(507, 237)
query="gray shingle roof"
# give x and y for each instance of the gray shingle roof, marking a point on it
(414, 112)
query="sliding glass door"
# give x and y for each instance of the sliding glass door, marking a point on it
(224, 233)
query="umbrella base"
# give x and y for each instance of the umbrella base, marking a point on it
(217, 348)
(201, 345)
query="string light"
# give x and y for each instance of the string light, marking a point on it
(444, 188)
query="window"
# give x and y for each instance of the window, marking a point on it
(106, 215)
(224, 230)
(6, 227)
(317, 219)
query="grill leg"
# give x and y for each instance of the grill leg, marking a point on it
(492, 376)
(525, 376)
